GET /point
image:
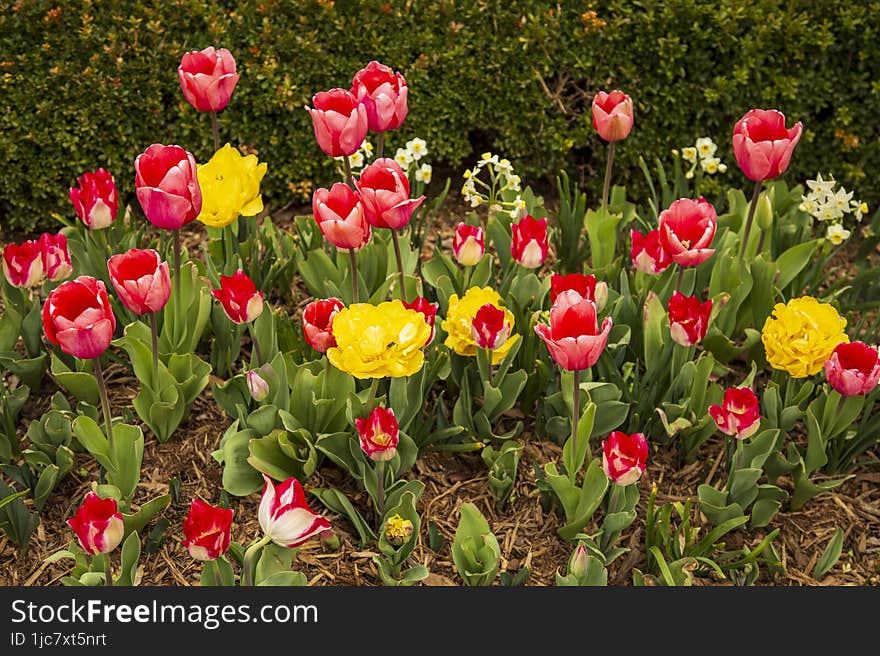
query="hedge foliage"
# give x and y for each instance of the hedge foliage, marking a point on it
(93, 82)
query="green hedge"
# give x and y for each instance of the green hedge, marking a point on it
(85, 84)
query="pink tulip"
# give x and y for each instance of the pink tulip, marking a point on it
(167, 186)
(529, 244)
(573, 336)
(739, 414)
(141, 280)
(207, 530)
(383, 93)
(285, 516)
(257, 386)
(624, 457)
(469, 244)
(762, 144)
(77, 317)
(339, 213)
(379, 434)
(647, 253)
(207, 78)
(384, 190)
(427, 309)
(489, 327)
(55, 257)
(853, 368)
(98, 525)
(688, 318)
(96, 200)
(239, 297)
(340, 122)
(318, 323)
(687, 229)
(613, 115)
(23, 264)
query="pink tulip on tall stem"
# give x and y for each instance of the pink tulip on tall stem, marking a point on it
(613, 120)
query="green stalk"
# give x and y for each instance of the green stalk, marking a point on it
(399, 265)
(354, 275)
(215, 131)
(105, 400)
(749, 218)
(380, 490)
(606, 187)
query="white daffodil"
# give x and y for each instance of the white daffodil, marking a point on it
(840, 200)
(859, 209)
(689, 154)
(706, 147)
(710, 165)
(821, 187)
(504, 167)
(417, 148)
(423, 173)
(403, 157)
(837, 234)
(356, 160)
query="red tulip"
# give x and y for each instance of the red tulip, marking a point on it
(318, 323)
(285, 516)
(167, 187)
(489, 328)
(853, 368)
(23, 264)
(687, 229)
(384, 190)
(379, 434)
(738, 414)
(428, 310)
(586, 286)
(77, 317)
(141, 280)
(340, 216)
(55, 256)
(207, 78)
(96, 200)
(612, 115)
(98, 525)
(239, 297)
(688, 318)
(383, 93)
(207, 530)
(340, 122)
(469, 244)
(529, 244)
(647, 252)
(573, 336)
(624, 457)
(762, 144)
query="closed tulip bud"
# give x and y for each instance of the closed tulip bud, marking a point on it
(257, 386)
(853, 368)
(469, 244)
(739, 414)
(239, 297)
(318, 323)
(98, 525)
(428, 310)
(384, 190)
(207, 78)
(687, 229)
(77, 316)
(398, 530)
(647, 253)
(612, 115)
(379, 434)
(207, 530)
(579, 562)
(764, 212)
(55, 257)
(339, 214)
(573, 337)
(490, 328)
(329, 540)
(141, 280)
(763, 145)
(285, 516)
(688, 318)
(624, 457)
(529, 244)
(23, 264)
(383, 93)
(339, 121)
(167, 186)
(96, 200)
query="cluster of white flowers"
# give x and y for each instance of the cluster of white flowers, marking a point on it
(825, 204)
(501, 179)
(415, 150)
(703, 153)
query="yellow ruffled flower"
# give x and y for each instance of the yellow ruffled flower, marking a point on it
(460, 316)
(230, 184)
(374, 341)
(801, 334)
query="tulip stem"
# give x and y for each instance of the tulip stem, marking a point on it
(761, 242)
(354, 275)
(154, 330)
(751, 215)
(248, 566)
(371, 399)
(215, 131)
(348, 180)
(606, 187)
(467, 278)
(380, 145)
(489, 367)
(257, 353)
(105, 400)
(108, 572)
(728, 457)
(575, 415)
(399, 264)
(380, 490)
(176, 247)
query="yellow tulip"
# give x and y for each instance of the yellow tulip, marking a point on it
(230, 184)
(460, 317)
(801, 335)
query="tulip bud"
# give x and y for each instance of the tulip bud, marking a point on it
(257, 386)
(96, 199)
(529, 245)
(385, 194)
(77, 316)
(738, 414)
(207, 530)
(489, 327)
(469, 244)
(688, 318)
(764, 212)
(647, 253)
(55, 256)
(579, 561)
(23, 264)
(207, 78)
(379, 434)
(398, 530)
(329, 540)
(239, 297)
(98, 525)
(624, 457)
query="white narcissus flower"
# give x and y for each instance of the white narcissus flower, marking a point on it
(837, 234)
(710, 165)
(417, 148)
(403, 157)
(423, 173)
(841, 199)
(859, 209)
(356, 160)
(689, 154)
(821, 187)
(706, 147)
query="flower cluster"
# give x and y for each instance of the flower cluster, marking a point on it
(409, 157)
(825, 204)
(703, 153)
(501, 179)
(30, 263)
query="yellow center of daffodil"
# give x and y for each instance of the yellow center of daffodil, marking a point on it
(801, 334)
(230, 184)
(374, 341)
(460, 317)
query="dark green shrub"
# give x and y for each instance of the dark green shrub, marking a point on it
(91, 83)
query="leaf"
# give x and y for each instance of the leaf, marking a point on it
(830, 556)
